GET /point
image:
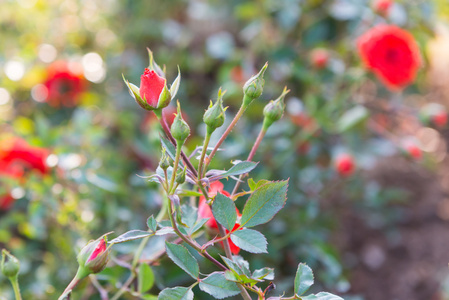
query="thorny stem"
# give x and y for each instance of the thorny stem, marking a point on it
(203, 154)
(250, 157)
(226, 133)
(186, 160)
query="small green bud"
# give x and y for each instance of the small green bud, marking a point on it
(253, 88)
(164, 163)
(10, 264)
(214, 116)
(180, 129)
(94, 257)
(274, 110)
(181, 176)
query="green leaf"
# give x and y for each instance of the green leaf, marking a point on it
(238, 169)
(145, 279)
(152, 224)
(255, 185)
(189, 215)
(129, 236)
(217, 286)
(351, 118)
(175, 85)
(189, 193)
(264, 203)
(303, 279)
(176, 293)
(322, 296)
(224, 211)
(264, 273)
(149, 297)
(182, 257)
(250, 240)
(243, 279)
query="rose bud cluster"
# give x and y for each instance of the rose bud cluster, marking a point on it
(433, 113)
(204, 211)
(253, 88)
(214, 116)
(319, 58)
(344, 164)
(93, 258)
(10, 265)
(153, 93)
(274, 110)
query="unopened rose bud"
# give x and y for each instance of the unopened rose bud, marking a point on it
(319, 58)
(344, 164)
(180, 130)
(94, 257)
(165, 160)
(10, 265)
(181, 176)
(214, 116)
(274, 110)
(253, 88)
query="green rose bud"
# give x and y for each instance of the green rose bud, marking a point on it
(180, 129)
(274, 110)
(164, 163)
(10, 265)
(214, 116)
(181, 176)
(253, 88)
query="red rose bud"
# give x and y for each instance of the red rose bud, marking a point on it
(344, 164)
(180, 130)
(382, 7)
(214, 116)
(433, 113)
(253, 88)
(411, 149)
(319, 58)
(10, 265)
(93, 258)
(274, 110)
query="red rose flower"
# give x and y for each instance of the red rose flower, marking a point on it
(319, 58)
(16, 150)
(151, 86)
(11, 171)
(344, 163)
(382, 7)
(205, 211)
(391, 53)
(64, 85)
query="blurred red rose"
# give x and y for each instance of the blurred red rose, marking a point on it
(204, 211)
(319, 58)
(411, 149)
(382, 7)
(8, 171)
(391, 53)
(64, 84)
(344, 164)
(151, 86)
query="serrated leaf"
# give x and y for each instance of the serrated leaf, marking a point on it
(322, 296)
(232, 265)
(145, 280)
(182, 257)
(223, 209)
(152, 223)
(129, 236)
(264, 203)
(351, 118)
(217, 286)
(264, 273)
(176, 293)
(303, 279)
(250, 240)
